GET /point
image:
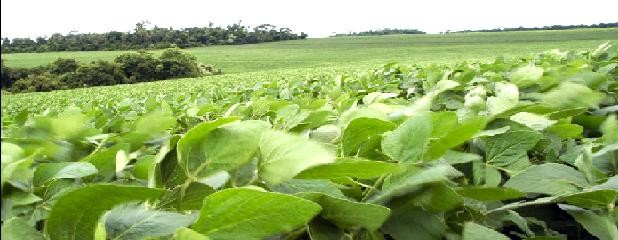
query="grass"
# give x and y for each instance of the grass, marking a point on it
(362, 52)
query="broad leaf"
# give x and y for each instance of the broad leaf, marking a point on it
(75, 214)
(473, 231)
(347, 214)
(408, 142)
(363, 135)
(49, 171)
(285, 155)
(409, 222)
(548, 178)
(355, 168)
(191, 148)
(242, 213)
(454, 137)
(412, 180)
(222, 148)
(134, 222)
(603, 227)
(509, 150)
(294, 186)
(17, 228)
(490, 193)
(188, 234)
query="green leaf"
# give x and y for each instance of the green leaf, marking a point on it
(320, 229)
(509, 150)
(473, 231)
(49, 171)
(603, 227)
(409, 222)
(347, 214)
(526, 76)
(134, 222)
(595, 199)
(490, 193)
(570, 95)
(76, 213)
(155, 122)
(533, 121)
(189, 198)
(223, 148)
(412, 180)
(454, 137)
(407, 143)
(104, 161)
(15, 166)
(293, 186)
(355, 168)
(285, 155)
(242, 213)
(142, 166)
(436, 197)
(191, 147)
(18, 198)
(566, 130)
(454, 157)
(17, 228)
(506, 98)
(363, 135)
(548, 178)
(184, 233)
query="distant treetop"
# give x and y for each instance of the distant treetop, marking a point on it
(552, 27)
(155, 38)
(386, 31)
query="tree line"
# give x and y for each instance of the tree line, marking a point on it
(552, 27)
(386, 31)
(155, 38)
(132, 67)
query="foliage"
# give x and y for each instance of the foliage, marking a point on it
(126, 68)
(552, 27)
(174, 63)
(399, 152)
(155, 38)
(386, 31)
(139, 66)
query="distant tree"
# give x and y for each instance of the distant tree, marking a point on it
(175, 63)
(155, 38)
(64, 65)
(138, 67)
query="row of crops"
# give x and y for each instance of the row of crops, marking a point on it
(522, 148)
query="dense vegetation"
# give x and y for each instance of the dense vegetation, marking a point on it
(132, 67)
(386, 31)
(344, 53)
(513, 148)
(155, 38)
(552, 27)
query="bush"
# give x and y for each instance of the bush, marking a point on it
(139, 67)
(63, 65)
(99, 73)
(126, 68)
(175, 63)
(5, 79)
(43, 82)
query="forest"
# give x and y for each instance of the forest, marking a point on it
(156, 38)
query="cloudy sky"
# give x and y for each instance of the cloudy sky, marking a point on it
(318, 18)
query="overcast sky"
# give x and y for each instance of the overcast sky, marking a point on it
(318, 18)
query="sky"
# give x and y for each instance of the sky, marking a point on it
(318, 18)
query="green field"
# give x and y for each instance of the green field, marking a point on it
(362, 52)
(325, 139)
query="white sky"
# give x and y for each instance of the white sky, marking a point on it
(318, 18)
